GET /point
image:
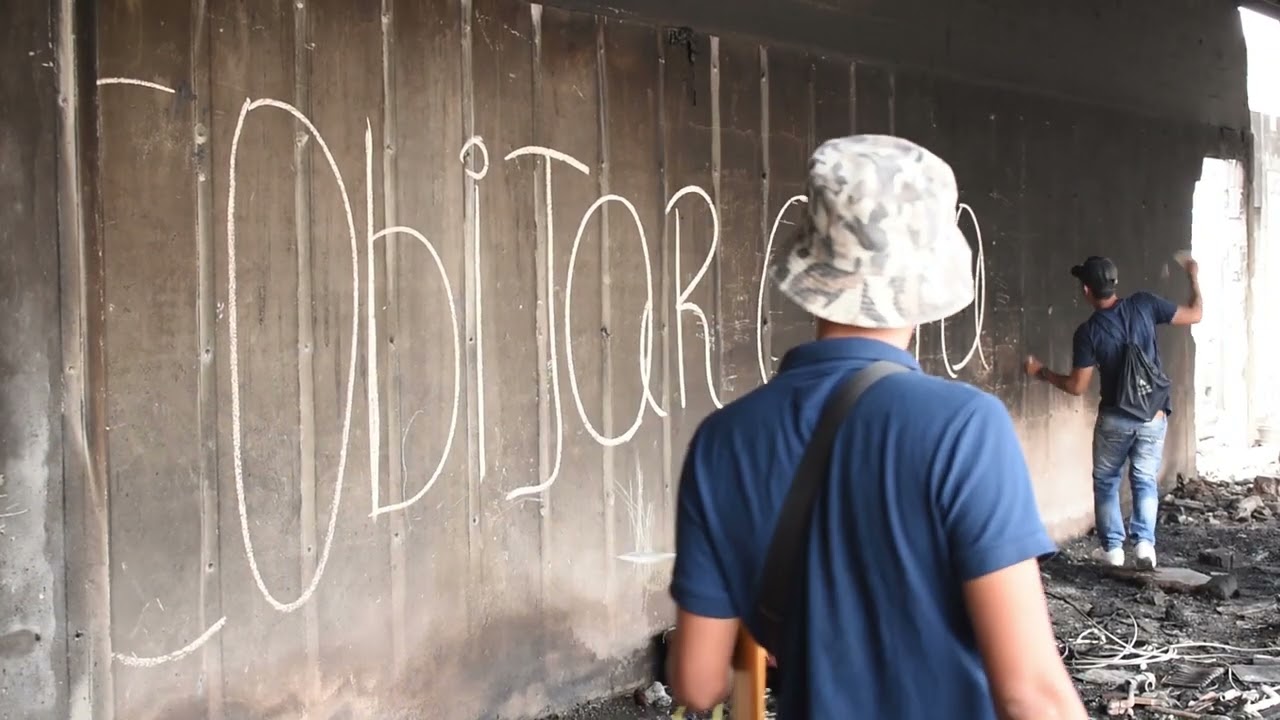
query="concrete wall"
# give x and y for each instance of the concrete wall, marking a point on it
(1264, 264)
(383, 329)
(33, 640)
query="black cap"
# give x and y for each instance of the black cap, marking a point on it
(1098, 274)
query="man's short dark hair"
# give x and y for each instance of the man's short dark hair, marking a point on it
(1098, 274)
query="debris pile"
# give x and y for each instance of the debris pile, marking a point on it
(1197, 500)
(1197, 638)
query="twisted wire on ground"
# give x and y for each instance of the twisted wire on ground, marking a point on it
(1127, 653)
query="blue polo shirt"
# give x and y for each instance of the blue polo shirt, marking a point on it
(1100, 340)
(928, 489)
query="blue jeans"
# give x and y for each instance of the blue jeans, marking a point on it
(1116, 440)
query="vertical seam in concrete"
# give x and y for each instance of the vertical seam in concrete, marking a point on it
(766, 321)
(391, 256)
(306, 339)
(812, 129)
(207, 379)
(545, 304)
(853, 98)
(893, 103)
(606, 327)
(665, 275)
(471, 299)
(87, 530)
(717, 277)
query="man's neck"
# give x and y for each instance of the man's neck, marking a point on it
(1107, 304)
(897, 337)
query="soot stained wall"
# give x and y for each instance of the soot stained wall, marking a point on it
(398, 318)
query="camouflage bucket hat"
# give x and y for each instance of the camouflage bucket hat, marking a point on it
(879, 246)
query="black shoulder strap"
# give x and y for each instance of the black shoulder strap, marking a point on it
(1122, 331)
(789, 536)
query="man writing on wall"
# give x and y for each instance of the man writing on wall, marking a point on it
(1119, 338)
(917, 590)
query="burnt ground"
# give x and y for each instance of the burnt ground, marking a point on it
(1187, 647)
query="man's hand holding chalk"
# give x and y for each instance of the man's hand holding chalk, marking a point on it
(1183, 258)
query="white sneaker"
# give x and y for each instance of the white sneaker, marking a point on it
(1146, 553)
(1114, 558)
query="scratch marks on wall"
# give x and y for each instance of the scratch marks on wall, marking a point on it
(641, 514)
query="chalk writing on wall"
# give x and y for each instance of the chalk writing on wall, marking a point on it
(690, 198)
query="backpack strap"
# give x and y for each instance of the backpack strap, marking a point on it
(789, 536)
(1123, 330)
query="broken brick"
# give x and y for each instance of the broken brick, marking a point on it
(1154, 597)
(1248, 506)
(1218, 557)
(1223, 587)
(1268, 486)
(1257, 673)
(1175, 613)
(653, 695)
(1176, 579)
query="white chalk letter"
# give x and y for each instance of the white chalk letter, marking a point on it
(682, 294)
(233, 327)
(547, 156)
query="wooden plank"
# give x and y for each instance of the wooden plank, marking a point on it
(151, 344)
(429, 455)
(744, 282)
(507, 594)
(353, 609)
(831, 102)
(873, 100)
(574, 519)
(790, 111)
(84, 420)
(691, 236)
(252, 57)
(749, 667)
(210, 566)
(634, 487)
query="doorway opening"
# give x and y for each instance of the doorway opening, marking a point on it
(1219, 242)
(1233, 234)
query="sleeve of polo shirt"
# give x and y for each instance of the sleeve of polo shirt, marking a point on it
(1082, 349)
(698, 583)
(988, 505)
(1162, 311)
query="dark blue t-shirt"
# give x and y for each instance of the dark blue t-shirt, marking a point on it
(928, 489)
(1100, 340)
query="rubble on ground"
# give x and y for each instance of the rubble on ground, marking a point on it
(1199, 637)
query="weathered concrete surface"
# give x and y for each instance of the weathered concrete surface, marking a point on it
(1181, 59)
(1264, 266)
(33, 668)
(394, 321)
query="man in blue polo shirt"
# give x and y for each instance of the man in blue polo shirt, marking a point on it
(918, 591)
(1120, 434)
